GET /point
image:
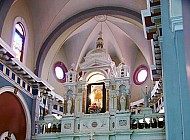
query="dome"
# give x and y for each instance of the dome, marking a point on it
(98, 53)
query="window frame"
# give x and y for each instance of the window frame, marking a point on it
(21, 36)
(20, 21)
(137, 71)
(64, 69)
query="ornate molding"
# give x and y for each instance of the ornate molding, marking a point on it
(176, 23)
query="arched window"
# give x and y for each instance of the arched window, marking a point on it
(18, 40)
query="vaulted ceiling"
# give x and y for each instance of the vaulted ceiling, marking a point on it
(65, 30)
(122, 28)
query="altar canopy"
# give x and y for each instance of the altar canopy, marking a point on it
(97, 105)
(94, 69)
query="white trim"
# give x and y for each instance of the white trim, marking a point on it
(27, 70)
(24, 105)
(6, 47)
(21, 65)
(15, 83)
(153, 53)
(176, 23)
(152, 67)
(145, 13)
(55, 95)
(95, 70)
(137, 102)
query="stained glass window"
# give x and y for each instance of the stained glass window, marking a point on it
(60, 71)
(18, 40)
(140, 75)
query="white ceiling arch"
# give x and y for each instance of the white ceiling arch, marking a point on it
(122, 39)
(71, 22)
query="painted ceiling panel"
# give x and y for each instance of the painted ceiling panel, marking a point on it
(123, 36)
(47, 15)
(136, 34)
(120, 43)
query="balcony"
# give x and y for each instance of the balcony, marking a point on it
(103, 126)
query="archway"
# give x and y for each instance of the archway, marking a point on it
(15, 115)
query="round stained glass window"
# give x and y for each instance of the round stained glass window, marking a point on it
(60, 70)
(140, 75)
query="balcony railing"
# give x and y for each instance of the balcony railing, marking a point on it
(140, 121)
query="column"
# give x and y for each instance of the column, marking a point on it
(50, 105)
(177, 101)
(35, 113)
(107, 86)
(78, 104)
(113, 102)
(107, 100)
(35, 110)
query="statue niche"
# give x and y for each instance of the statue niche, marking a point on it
(69, 102)
(96, 98)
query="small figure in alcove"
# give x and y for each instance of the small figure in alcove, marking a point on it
(122, 102)
(69, 106)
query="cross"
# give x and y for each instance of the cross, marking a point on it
(79, 104)
(91, 136)
(113, 100)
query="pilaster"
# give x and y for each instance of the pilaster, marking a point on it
(175, 85)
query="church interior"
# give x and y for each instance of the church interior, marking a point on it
(94, 70)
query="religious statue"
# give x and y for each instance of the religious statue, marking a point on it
(146, 97)
(122, 102)
(69, 105)
(49, 102)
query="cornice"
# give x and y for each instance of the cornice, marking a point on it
(176, 23)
